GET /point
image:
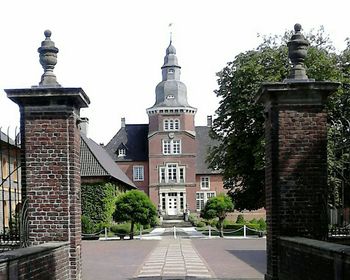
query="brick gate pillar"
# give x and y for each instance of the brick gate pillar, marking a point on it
(50, 157)
(296, 154)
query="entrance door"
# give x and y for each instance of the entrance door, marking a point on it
(172, 204)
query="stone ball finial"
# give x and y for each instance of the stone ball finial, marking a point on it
(297, 27)
(297, 52)
(47, 33)
(48, 59)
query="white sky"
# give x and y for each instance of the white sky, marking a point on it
(114, 49)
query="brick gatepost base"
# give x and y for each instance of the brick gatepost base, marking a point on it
(51, 165)
(296, 162)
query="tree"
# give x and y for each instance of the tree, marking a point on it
(136, 207)
(239, 122)
(218, 207)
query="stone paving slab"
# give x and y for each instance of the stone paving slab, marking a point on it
(179, 261)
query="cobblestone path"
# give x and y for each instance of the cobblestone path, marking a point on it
(174, 258)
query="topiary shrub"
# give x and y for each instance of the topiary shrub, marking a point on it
(200, 224)
(87, 225)
(123, 228)
(240, 219)
(262, 223)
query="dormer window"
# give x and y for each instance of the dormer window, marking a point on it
(171, 71)
(170, 96)
(121, 152)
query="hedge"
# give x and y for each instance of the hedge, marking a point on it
(98, 204)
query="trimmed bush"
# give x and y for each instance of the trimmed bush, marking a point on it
(262, 224)
(196, 222)
(121, 228)
(240, 219)
(200, 224)
(87, 225)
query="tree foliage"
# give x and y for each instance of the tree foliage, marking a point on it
(218, 207)
(135, 207)
(239, 122)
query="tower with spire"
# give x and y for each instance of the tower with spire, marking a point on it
(171, 140)
(166, 158)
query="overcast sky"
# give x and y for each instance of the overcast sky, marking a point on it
(114, 49)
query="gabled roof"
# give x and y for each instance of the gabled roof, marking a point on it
(135, 138)
(95, 162)
(204, 141)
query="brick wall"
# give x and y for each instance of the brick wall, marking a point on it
(52, 147)
(127, 168)
(302, 258)
(42, 262)
(296, 175)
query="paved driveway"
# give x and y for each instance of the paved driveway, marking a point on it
(234, 258)
(114, 260)
(224, 258)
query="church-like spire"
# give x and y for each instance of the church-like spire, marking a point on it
(171, 92)
(171, 67)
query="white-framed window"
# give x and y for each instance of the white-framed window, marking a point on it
(138, 173)
(121, 152)
(182, 174)
(171, 147)
(202, 198)
(176, 145)
(172, 173)
(205, 183)
(171, 124)
(162, 175)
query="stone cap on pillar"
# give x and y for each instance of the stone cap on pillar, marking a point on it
(306, 93)
(49, 96)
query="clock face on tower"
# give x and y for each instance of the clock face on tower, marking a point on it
(171, 135)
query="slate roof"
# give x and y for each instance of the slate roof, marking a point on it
(135, 139)
(96, 162)
(204, 141)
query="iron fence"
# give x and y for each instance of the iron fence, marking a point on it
(13, 225)
(339, 173)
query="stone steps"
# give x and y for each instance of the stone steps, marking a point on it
(176, 223)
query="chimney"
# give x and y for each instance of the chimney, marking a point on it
(210, 121)
(84, 126)
(122, 122)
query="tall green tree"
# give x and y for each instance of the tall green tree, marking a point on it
(135, 207)
(218, 207)
(239, 122)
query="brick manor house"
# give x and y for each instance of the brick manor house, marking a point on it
(166, 158)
